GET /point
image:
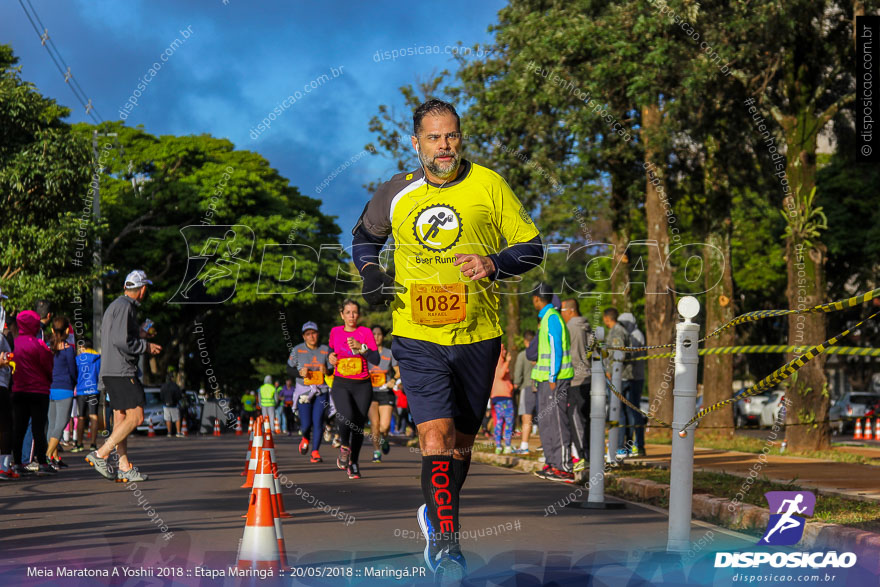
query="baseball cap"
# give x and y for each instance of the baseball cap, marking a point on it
(136, 278)
(310, 326)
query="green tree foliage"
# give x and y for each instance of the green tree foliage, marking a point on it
(155, 187)
(45, 223)
(794, 57)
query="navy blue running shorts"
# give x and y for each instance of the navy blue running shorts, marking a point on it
(447, 381)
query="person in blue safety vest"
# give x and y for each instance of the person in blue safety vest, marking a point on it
(553, 373)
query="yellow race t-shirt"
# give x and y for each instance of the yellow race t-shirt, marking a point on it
(477, 213)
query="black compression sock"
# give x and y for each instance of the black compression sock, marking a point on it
(441, 494)
(459, 474)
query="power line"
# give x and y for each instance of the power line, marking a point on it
(67, 76)
(47, 42)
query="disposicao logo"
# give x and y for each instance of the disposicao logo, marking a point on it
(786, 526)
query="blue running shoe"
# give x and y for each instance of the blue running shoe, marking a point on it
(451, 566)
(431, 550)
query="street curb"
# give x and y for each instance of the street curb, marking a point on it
(744, 475)
(507, 461)
(723, 512)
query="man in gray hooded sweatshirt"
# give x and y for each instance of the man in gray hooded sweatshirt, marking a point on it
(581, 335)
(633, 382)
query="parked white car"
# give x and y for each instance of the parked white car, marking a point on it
(153, 410)
(748, 410)
(770, 412)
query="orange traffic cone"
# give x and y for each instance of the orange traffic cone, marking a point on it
(151, 433)
(216, 426)
(183, 429)
(877, 429)
(869, 429)
(265, 478)
(247, 455)
(278, 496)
(259, 547)
(277, 425)
(256, 446)
(857, 435)
(238, 430)
(269, 446)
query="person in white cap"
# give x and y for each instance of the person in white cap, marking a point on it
(123, 340)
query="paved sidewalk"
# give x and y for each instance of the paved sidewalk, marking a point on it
(830, 477)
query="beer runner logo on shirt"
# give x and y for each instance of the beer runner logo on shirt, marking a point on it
(437, 227)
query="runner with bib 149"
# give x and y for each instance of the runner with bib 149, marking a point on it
(457, 228)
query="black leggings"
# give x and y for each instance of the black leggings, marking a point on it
(352, 399)
(289, 417)
(33, 406)
(5, 422)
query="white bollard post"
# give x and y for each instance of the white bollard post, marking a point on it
(596, 481)
(614, 407)
(684, 393)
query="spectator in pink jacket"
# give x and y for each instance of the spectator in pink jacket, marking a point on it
(30, 390)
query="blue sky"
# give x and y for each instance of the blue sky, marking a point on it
(243, 59)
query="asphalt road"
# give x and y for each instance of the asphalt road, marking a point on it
(80, 521)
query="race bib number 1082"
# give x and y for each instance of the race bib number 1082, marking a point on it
(438, 304)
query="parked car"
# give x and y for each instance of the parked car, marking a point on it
(770, 411)
(193, 405)
(853, 404)
(748, 410)
(153, 411)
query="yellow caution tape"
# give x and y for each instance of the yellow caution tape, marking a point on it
(779, 375)
(616, 424)
(761, 314)
(769, 348)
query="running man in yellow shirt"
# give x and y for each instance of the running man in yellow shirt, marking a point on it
(457, 227)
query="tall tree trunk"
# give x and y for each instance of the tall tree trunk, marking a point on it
(620, 235)
(512, 289)
(805, 255)
(718, 369)
(181, 361)
(620, 271)
(807, 389)
(659, 318)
